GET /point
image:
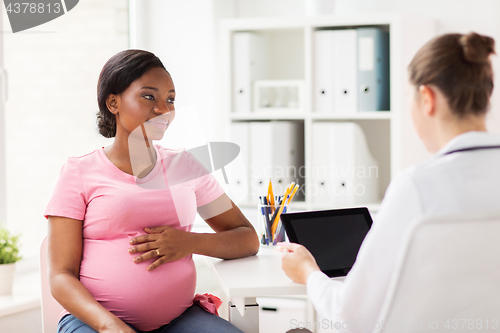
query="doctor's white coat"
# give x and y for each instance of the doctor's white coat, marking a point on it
(460, 182)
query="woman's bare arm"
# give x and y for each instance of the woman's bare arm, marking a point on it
(234, 235)
(64, 257)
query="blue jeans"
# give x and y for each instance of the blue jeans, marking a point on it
(194, 319)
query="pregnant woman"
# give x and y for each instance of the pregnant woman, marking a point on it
(119, 238)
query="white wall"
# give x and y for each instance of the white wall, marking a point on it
(52, 101)
(182, 35)
(3, 193)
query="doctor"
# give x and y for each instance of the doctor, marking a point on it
(451, 81)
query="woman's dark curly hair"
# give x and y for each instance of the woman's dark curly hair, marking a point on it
(117, 74)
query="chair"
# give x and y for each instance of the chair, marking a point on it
(51, 309)
(447, 277)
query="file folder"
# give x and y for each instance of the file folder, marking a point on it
(237, 171)
(288, 154)
(344, 173)
(373, 69)
(261, 156)
(335, 71)
(249, 64)
(276, 154)
(323, 62)
(345, 71)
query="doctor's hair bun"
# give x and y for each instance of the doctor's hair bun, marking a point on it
(477, 48)
(460, 67)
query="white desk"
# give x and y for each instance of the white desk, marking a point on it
(243, 280)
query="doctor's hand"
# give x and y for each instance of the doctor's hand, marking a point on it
(298, 263)
(164, 243)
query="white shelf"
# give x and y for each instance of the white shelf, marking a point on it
(319, 21)
(293, 204)
(267, 116)
(296, 206)
(352, 20)
(283, 115)
(356, 116)
(26, 294)
(262, 23)
(389, 133)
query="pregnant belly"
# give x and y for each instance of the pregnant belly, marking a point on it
(145, 299)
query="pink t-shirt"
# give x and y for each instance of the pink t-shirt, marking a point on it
(116, 207)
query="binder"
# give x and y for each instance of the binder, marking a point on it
(249, 64)
(344, 173)
(345, 71)
(288, 155)
(335, 71)
(276, 153)
(324, 58)
(237, 172)
(373, 69)
(260, 158)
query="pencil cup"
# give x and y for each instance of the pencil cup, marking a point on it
(271, 230)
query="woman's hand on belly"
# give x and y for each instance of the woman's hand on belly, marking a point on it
(165, 243)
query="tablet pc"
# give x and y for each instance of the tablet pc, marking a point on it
(332, 236)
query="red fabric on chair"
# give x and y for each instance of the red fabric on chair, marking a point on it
(208, 302)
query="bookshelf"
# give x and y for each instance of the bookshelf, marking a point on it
(289, 53)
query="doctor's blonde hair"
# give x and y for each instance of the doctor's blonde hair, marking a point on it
(459, 65)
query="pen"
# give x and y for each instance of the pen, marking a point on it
(265, 233)
(276, 220)
(293, 193)
(279, 235)
(265, 212)
(271, 195)
(277, 229)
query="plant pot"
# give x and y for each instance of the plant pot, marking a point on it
(7, 278)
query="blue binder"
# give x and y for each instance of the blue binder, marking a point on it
(373, 70)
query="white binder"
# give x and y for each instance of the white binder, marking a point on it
(237, 171)
(276, 154)
(249, 64)
(323, 63)
(260, 158)
(345, 71)
(373, 69)
(335, 71)
(343, 171)
(288, 155)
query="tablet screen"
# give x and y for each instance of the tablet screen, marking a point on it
(333, 237)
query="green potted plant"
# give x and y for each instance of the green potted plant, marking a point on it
(9, 255)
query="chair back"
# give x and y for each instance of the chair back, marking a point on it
(447, 277)
(51, 309)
